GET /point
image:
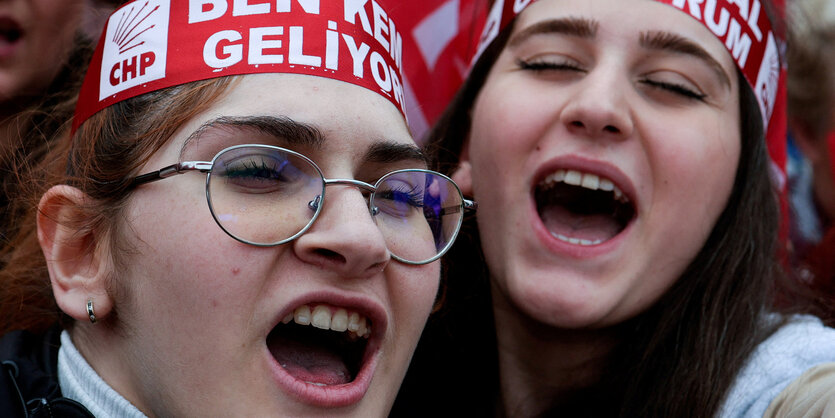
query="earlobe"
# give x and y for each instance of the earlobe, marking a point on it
(463, 178)
(462, 175)
(77, 268)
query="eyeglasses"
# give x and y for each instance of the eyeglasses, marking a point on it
(264, 195)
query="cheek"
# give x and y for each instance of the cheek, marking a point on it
(183, 262)
(412, 291)
(701, 170)
(693, 180)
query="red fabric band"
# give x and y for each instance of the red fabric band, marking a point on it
(149, 45)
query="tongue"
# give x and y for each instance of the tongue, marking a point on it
(310, 363)
(592, 227)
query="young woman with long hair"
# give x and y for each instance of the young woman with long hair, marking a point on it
(624, 261)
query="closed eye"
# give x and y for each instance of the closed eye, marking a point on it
(539, 65)
(675, 88)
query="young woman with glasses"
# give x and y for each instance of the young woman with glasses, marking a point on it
(249, 230)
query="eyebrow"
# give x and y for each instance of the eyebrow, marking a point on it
(393, 152)
(284, 128)
(671, 42)
(301, 134)
(572, 26)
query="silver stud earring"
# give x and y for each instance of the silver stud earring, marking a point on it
(90, 311)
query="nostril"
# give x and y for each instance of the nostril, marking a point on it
(331, 255)
(577, 124)
(611, 129)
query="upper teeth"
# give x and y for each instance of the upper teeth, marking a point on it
(335, 319)
(586, 180)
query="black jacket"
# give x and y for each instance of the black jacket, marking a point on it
(29, 378)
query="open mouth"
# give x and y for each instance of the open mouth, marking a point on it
(582, 208)
(323, 346)
(10, 31)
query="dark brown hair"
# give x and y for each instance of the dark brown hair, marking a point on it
(678, 358)
(100, 159)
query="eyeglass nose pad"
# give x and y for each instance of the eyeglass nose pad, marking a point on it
(374, 211)
(314, 204)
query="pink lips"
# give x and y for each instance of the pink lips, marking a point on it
(342, 394)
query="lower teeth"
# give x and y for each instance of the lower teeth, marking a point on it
(576, 241)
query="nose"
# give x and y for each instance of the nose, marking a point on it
(344, 238)
(598, 107)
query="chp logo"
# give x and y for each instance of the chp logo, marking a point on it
(135, 46)
(768, 79)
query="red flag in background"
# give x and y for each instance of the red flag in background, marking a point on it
(439, 37)
(777, 134)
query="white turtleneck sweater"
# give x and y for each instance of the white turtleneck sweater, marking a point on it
(82, 384)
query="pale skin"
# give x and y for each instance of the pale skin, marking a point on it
(600, 102)
(195, 306)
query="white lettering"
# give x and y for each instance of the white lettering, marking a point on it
(257, 45)
(518, 5)
(309, 6)
(397, 86)
(331, 47)
(243, 8)
(491, 27)
(296, 54)
(742, 5)
(754, 19)
(380, 25)
(738, 43)
(719, 28)
(233, 52)
(355, 8)
(358, 54)
(767, 79)
(196, 12)
(396, 50)
(378, 63)
(695, 10)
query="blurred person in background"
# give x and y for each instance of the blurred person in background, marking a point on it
(44, 48)
(811, 106)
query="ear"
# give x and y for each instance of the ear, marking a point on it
(77, 267)
(462, 176)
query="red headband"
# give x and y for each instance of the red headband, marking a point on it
(149, 45)
(742, 26)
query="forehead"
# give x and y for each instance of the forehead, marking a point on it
(348, 116)
(626, 20)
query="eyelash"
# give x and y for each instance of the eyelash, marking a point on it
(675, 88)
(539, 66)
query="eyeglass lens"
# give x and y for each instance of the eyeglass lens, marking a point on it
(264, 195)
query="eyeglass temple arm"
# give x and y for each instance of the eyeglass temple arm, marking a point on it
(469, 206)
(171, 170)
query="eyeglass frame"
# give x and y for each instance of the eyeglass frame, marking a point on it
(206, 167)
